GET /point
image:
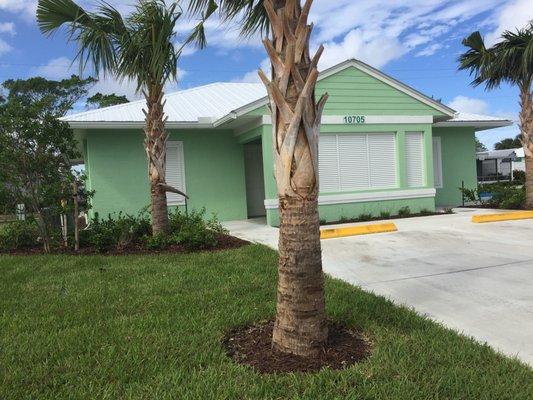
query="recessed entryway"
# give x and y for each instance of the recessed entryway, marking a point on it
(255, 182)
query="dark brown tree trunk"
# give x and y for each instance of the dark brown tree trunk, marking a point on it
(155, 146)
(526, 129)
(300, 326)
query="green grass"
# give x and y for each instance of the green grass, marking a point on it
(149, 327)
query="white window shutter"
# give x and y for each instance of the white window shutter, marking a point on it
(382, 160)
(353, 162)
(328, 164)
(175, 172)
(437, 162)
(414, 157)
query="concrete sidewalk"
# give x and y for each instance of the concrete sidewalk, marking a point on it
(475, 278)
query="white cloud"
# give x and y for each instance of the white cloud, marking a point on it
(376, 51)
(26, 7)
(516, 14)
(4, 47)
(469, 105)
(7, 27)
(62, 67)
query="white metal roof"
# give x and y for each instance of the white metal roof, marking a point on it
(210, 102)
(480, 122)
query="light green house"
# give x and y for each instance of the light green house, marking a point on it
(383, 146)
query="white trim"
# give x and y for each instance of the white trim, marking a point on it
(369, 119)
(134, 125)
(345, 198)
(474, 124)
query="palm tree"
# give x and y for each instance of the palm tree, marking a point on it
(300, 327)
(510, 61)
(140, 47)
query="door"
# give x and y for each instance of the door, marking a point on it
(255, 183)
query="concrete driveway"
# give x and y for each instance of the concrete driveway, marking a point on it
(475, 278)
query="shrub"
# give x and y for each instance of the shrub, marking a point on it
(384, 214)
(364, 217)
(323, 221)
(18, 235)
(157, 242)
(425, 211)
(519, 176)
(193, 231)
(513, 199)
(115, 232)
(404, 211)
(344, 219)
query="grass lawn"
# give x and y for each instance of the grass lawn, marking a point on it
(149, 327)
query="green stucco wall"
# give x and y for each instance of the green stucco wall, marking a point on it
(458, 163)
(214, 169)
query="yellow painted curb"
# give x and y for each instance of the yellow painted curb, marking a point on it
(510, 216)
(357, 230)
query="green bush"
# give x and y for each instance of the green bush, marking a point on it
(19, 235)
(193, 231)
(364, 217)
(115, 232)
(157, 242)
(384, 214)
(404, 211)
(519, 176)
(513, 199)
(425, 211)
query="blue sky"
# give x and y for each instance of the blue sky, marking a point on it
(415, 41)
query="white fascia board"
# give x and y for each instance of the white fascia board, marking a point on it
(370, 119)
(135, 125)
(479, 125)
(346, 198)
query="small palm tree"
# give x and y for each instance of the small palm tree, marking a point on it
(141, 48)
(511, 61)
(300, 327)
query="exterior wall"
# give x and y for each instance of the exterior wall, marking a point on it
(334, 212)
(458, 164)
(352, 91)
(214, 171)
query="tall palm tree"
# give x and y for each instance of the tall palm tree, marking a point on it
(300, 327)
(510, 61)
(140, 47)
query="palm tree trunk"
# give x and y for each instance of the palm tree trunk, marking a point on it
(526, 128)
(300, 327)
(155, 146)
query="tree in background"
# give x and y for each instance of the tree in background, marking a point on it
(508, 143)
(511, 61)
(480, 146)
(47, 96)
(36, 150)
(100, 100)
(140, 47)
(300, 327)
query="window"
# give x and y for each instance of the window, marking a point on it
(414, 158)
(175, 172)
(437, 162)
(357, 162)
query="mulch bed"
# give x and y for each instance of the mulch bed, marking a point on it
(225, 242)
(252, 345)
